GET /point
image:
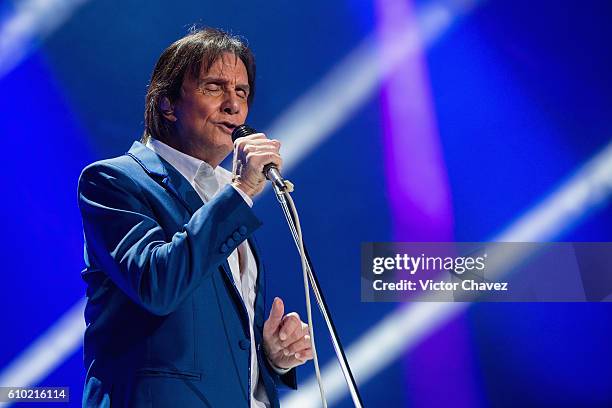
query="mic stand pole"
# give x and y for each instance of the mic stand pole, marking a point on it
(314, 282)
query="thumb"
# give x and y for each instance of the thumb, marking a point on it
(276, 314)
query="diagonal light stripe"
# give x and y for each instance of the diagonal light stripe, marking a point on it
(28, 25)
(45, 354)
(589, 189)
(330, 103)
(400, 330)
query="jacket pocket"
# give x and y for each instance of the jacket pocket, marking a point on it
(168, 373)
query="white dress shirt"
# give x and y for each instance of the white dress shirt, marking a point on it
(207, 181)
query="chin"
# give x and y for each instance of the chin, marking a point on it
(225, 149)
(225, 142)
(228, 149)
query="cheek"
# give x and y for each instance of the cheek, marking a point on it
(199, 108)
(205, 110)
(244, 112)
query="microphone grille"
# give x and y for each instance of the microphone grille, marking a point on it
(242, 131)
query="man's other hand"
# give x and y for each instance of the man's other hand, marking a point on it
(286, 339)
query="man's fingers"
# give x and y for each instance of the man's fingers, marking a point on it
(262, 142)
(256, 139)
(291, 329)
(255, 142)
(275, 318)
(304, 355)
(302, 342)
(249, 138)
(260, 149)
(291, 345)
(260, 159)
(277, 311)
(299, 345)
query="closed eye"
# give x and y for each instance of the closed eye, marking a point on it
(212, 87)
(243, 93)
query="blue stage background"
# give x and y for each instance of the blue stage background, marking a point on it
(521, 96)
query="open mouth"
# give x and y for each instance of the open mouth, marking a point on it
(227, 126)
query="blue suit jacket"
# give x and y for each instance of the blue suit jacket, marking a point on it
(166, 327)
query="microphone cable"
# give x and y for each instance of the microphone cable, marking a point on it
(283, 188)
(298, 230)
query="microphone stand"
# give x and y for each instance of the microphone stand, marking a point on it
(314, 282)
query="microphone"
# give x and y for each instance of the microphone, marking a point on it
(269, 170)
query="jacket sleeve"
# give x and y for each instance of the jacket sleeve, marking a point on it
(288, 379)
(125, 240)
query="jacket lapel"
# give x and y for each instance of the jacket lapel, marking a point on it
(259, 306)
(166, 175)
(177, 185)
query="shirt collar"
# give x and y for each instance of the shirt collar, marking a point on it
(189, 166)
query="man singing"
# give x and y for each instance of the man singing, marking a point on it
(175, 286)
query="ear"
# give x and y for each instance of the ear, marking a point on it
(167, 109)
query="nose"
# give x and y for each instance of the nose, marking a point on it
(231, 104)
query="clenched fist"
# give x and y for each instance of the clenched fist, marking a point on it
(251, 154)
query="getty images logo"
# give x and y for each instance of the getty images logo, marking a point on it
(413, 264)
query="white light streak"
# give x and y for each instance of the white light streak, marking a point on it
(30, 23)
(48, 352)
(330, 103)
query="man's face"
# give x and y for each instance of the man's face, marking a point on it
(210, 107)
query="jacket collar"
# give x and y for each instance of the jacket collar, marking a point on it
(166, 175)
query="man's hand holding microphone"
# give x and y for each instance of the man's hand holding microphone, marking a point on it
(251, 154)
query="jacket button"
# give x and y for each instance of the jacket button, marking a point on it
(244, 344)
(230, 242)
(223, 248)
(236, 236)
(242, 230)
